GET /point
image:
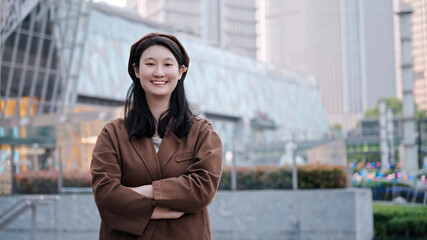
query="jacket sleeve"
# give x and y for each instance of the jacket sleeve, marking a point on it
(120, 207)
(195, 190)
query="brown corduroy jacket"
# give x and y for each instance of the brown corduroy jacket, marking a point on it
(185, 174)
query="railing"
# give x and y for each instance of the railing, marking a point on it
(21, 207)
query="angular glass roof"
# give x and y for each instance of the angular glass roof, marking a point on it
(218, 81)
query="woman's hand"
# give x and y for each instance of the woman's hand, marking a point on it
(165, 213)
(159, 212)
(145, 190)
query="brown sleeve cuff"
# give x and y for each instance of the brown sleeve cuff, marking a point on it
(156, 191)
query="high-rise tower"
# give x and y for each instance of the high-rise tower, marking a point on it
(347, 45)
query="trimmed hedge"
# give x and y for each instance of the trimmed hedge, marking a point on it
(260, 177)
(45, 181)
(400, 222)
(42, 181)
(309, 177)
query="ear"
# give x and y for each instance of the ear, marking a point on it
(181, 71)
(136, 70)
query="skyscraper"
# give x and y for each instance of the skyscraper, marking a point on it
(419, 48)
(227, 23)
(347, 45)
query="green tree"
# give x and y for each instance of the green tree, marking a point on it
(420, 113)
(396, 106)
(336, 127)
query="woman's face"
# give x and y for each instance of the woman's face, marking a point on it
(158, 72)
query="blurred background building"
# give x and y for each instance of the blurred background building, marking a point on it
(284, 82)
(265, 72)
(419, 48)
(347, 45)
(230, 24)
(64, 74)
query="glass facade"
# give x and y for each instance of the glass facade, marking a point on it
(64, 72)
(218, 80)
(232, 90)
(41, 46)
(419, 50)
(40, 61)
(342, 43)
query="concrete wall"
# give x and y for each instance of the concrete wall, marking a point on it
(267, 214)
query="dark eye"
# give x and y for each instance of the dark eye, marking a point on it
(168, 64)
(149, 64)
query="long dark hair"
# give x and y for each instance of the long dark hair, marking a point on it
(138, 118)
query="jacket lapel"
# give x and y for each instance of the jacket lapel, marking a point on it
(170, 144)
(145, 149)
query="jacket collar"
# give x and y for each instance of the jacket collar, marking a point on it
(145, 148)
(153, 161)
(169, 146)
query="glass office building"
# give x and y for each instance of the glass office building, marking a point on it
(64, 74)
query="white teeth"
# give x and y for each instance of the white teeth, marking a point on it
(160, 83)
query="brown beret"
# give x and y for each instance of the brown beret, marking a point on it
(135, 48)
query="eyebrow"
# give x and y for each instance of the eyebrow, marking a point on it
(150, 58)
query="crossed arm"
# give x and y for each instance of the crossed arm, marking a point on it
(173, 196)
(159, 212)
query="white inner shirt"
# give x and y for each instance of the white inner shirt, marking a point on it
(157, 141)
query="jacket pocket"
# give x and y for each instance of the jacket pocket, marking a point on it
(184, 156)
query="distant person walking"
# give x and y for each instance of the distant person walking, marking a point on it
(155, 172)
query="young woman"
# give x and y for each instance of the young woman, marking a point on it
(155, 172)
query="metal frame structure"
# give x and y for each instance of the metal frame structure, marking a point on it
(12, 14)
(40, 59)
(41, 50)
(409, 156)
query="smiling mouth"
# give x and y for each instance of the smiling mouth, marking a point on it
(158, 82)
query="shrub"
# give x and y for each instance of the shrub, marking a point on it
(400, 222)
(76, 179)
(46, 181)
(42, 181)
(259, 177)
(314, 176)
(263, 177)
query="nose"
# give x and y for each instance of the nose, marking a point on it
(158, 72)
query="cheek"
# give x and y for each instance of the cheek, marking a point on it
(174, 74)
(145, 72)
(143, 83)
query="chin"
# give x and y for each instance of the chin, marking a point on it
(161, 94)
